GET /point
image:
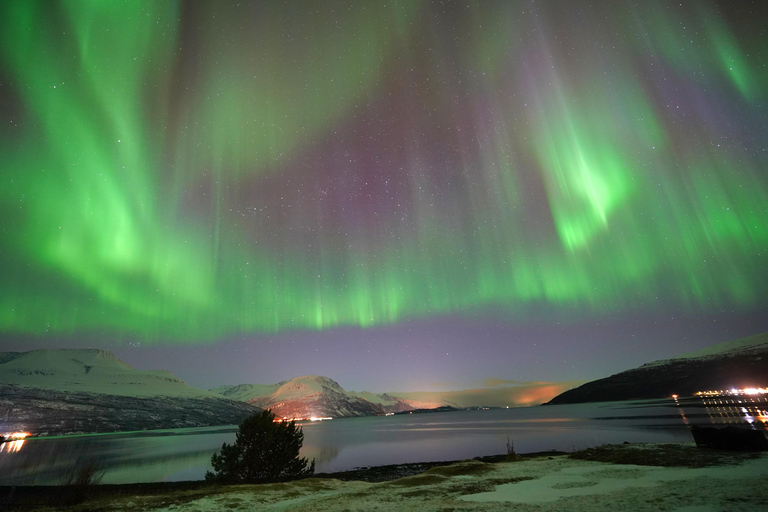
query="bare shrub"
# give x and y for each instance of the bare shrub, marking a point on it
(510, 447)
(76, 480)
(82, 473)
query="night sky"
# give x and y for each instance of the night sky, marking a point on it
(398, 195)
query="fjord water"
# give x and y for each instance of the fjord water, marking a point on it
(343, 444)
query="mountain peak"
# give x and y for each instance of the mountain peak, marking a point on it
(310, 396)
(311, 382)
(88, 370)
(73, 359)
(306, 386)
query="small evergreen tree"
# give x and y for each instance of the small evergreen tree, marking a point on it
(264, 451)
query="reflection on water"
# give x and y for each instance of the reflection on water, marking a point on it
(12, 446)
(322, 454)
(734, 409)
(344, 444)
(735, 405)
(126, 457)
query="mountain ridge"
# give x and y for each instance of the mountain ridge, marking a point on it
(503, 394)
(313, 396)
(739, 363)
(58, 391)
(89, 370)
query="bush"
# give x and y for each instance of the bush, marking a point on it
(76, 480)
(82, 473)
(264, 451)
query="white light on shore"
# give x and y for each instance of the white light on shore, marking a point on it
(733, 392)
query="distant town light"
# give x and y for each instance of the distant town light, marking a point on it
(732, 392)
(312, 418)
(15, 436)
(13, 442)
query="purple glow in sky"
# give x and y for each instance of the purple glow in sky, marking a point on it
(415, 195)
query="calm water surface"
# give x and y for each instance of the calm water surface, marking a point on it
(342, 444)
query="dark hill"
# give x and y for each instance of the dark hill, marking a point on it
(735, 364)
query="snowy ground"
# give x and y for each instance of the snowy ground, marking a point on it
(555, 483)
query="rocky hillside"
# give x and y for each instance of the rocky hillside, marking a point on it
(740, 363)
(313, 396)
(49, 412)
(88, 390)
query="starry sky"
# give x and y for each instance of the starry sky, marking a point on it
(399, 195)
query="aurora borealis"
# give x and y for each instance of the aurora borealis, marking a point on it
(188, 173)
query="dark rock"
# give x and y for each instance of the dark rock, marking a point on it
(49, 412)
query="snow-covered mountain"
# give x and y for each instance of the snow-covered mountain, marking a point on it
(89, 390)
(89, 370)
(741, 363)
(316, 396)
(751, 344)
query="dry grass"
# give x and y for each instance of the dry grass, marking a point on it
(484, 485)
(438, 488)
(415, 481)
(665, 455)
(85, 472)
(462, 468)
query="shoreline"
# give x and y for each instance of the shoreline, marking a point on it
(667, 471)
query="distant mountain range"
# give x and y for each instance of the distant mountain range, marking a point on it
(89, 390)
(316, 396)
(741, 363)
(48, 392)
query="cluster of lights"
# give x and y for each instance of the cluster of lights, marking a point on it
(13, 442)
(733, 392)
(312, 418)
(17, 436)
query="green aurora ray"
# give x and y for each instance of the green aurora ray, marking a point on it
(188, 171)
